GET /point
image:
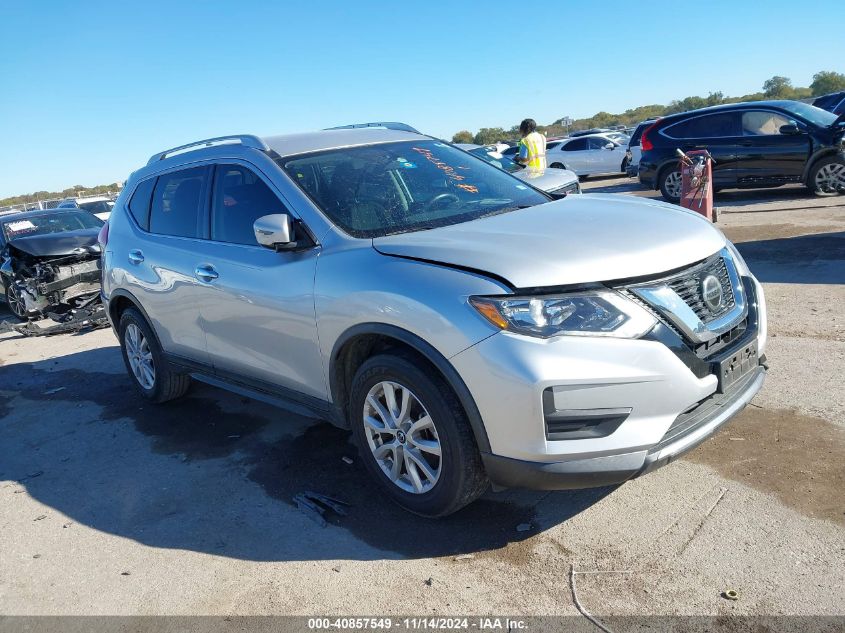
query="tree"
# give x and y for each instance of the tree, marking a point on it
(489, 135)
(778, 87)
(827, 81)
(464, 136)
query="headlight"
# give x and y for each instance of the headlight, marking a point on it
(741, 266)
(592, 313)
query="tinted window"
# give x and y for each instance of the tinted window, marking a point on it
(176, 202)
(552, 145)
(406, 186)
(597, 143)
(99, 206)
(139, 206)
(762, 123)
(240, 198)
(708, 126)
(575, 146)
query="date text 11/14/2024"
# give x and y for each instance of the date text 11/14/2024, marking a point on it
(417, 624)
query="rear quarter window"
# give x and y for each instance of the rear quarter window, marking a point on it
(177, 202)
(139, 205)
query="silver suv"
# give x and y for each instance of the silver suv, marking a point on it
(468, 328)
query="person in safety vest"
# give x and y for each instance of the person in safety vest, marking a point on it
(532, 146)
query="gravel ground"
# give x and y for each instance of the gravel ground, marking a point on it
(112, 506)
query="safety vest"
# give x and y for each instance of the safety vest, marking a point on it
(535, 144)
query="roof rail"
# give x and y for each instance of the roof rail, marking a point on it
(390, 125)
(247, 140)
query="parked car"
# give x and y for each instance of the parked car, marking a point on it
(100, 206)
(557, 181)
(591, 131)
(49, 260)
(467, 328)
(586, 155)
(755, 144)
(634, 151)
(834, 102)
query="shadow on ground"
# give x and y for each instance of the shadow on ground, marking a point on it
(187, 480)
(802, 259)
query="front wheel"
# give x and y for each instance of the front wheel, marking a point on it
(827, 177)
(15, 301)
(670, 184)
(414, 437)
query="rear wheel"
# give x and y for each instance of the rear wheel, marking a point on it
(670, 184)
(625, 163)
(14, 301)
(827, 177)
(557, 166)
(414, 436)
(151, 373)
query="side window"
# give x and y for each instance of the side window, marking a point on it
(177, 199)
(139, 205)
(709, 126)
(763, 123)
(240, 198)
(577, 145)
(596, 143)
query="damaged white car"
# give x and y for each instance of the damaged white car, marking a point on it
(49, 261)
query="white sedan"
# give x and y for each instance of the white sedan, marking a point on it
(586, 155)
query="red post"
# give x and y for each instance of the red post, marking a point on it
(697, 184)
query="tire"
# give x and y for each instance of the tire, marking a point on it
(625, 163)
(139, 346)
(459, 476)
(670, 188)
(557, 166)
(827, 177)
(14, 302)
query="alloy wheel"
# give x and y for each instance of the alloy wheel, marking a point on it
(402, 437)
(15, 301)
(830, 178)
(140, 356)
(673, 184)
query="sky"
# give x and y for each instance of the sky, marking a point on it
(91, 89)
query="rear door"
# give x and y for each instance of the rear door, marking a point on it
(576, 156)
(259, 315)
(161, 258)
(719, 133)
(764, 154)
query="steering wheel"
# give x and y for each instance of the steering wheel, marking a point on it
(436, 200)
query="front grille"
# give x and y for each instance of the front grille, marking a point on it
(688, 287)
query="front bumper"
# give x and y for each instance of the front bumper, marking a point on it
(639, 403)
(610, 470)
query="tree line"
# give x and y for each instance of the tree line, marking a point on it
(824, 82)
(70, 192)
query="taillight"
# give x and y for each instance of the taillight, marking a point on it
(103, 236)
(645, 143)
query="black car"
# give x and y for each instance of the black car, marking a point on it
(49, 260)
(756, 144)
(834, 102)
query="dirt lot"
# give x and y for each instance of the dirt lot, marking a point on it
(112, 506)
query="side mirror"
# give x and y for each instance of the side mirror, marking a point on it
(789, 129)
(609, 146)
(274, 231)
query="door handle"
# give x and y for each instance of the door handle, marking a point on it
(135, 257)
(205, 273)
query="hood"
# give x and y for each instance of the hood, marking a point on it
(546, 179)
(58, 244)
(580, 239)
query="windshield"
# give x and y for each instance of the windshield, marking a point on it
(809, 113)
(497, 159)
(50, 223)
(389, 188)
